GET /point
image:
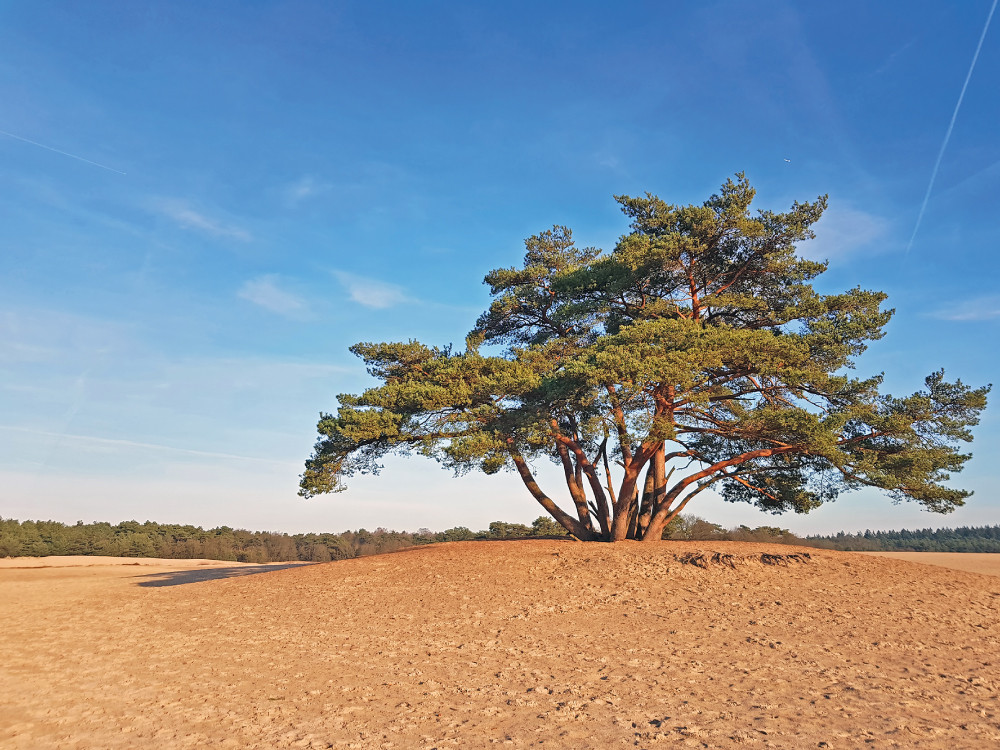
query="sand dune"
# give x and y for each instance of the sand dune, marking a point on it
(973, 562)
(519, 644)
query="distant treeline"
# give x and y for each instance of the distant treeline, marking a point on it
(963, 539)
(151, 539)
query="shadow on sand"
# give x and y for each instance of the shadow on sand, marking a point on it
(196, 575)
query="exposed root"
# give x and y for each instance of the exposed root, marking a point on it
(707, 559)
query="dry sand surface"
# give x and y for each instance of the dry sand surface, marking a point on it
(519, 644)
(973, 562)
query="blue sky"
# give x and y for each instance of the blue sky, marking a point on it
(202, 205)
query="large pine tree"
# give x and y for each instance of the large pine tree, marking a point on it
(696, 354)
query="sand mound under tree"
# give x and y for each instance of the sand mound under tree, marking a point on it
(519, 644)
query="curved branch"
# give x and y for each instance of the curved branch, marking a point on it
(575, 490)
(567, 521)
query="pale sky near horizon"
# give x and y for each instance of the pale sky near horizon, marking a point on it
(202, 205)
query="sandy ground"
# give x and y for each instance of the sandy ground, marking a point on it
(973, 562)
(519, 644)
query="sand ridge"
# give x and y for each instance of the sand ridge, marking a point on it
(519, 644)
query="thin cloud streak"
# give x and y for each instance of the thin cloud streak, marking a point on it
(305, 187)
(842, 231)
(951, 126)
(989, 174)
(373, 293)
(265, 292)
(137, 444)
(58, 151)
(892, 57)
(187, 218)
(977, 309)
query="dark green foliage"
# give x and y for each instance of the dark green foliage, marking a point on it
(545, 526)
(693, 528)
(129, 539)
(962, 539)
(503, 530)
(458, 534)
(696, 352)
(150, 539)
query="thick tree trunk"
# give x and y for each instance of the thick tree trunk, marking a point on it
(575, 490)
(567, 521)
(654, 490)
(665, 513)
(645, 507)
(659, 522)
(627, 492)
(601, 506)
(584, 467)
(623, 506)
(633, 516)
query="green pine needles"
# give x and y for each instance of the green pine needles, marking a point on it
(695, 355)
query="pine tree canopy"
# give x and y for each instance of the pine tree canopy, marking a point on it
(695, 355)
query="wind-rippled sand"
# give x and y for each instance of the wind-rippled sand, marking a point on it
(518, 644)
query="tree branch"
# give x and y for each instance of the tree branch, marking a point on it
(567, 521)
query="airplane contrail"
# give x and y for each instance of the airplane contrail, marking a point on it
(64, 153)
(951, 126)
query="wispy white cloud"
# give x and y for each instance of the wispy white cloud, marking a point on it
(40, 336)
(265, 292)
(303, 188)
(132, 409)
(608, 161)
(372, 292)
(971, 310)
(980, 181)
(187, 217)
(842, 231)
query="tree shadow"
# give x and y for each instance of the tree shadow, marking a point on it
(197, 575)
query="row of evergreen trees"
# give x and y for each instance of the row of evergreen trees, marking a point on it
(151, 539)
(962, 539)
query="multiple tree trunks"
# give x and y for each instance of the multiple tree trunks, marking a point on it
(572, 525)
(641, 516)
(698, 345)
